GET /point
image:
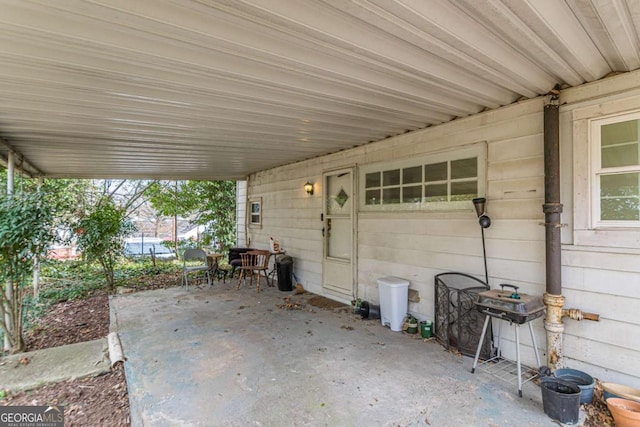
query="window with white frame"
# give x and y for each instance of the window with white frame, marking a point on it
(255, 212)
(615, 171)
(440, 181)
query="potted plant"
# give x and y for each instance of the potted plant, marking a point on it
(410, 324)
(356, 303)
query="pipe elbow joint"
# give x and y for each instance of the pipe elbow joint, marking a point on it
(577, 314)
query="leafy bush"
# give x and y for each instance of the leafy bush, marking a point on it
(26, 229)
(137, 268)
(68, 280)
(101, 237)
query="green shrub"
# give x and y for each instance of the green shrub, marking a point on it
(101, 237)
(26, 229)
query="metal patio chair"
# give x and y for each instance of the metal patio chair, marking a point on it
(195, 261)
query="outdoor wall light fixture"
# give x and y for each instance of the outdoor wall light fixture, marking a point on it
(485, 222)
(483, 218)
(308, 187)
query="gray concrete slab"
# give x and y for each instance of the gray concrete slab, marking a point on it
(218, 356)
(54, 365)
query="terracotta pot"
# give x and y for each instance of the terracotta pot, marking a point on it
(626, 413)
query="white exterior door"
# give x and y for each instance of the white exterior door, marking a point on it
(339, 234)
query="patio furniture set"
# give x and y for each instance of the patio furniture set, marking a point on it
(250, 263)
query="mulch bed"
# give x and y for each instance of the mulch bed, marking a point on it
(91, 401)
(71, 322)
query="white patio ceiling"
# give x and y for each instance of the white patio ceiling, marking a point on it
(218, 89)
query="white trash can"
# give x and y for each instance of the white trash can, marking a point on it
(394, 301)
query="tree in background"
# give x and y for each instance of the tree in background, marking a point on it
(26, 229)
(219, 213)
(101, 235)
(68, 198)
(212, 203)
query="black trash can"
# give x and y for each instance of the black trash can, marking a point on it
(369, 311)
(284, 269)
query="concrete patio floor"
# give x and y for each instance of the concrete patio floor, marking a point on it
(218, 356)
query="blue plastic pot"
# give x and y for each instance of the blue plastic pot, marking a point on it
(583, 380)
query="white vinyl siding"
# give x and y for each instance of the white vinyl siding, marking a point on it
(600, 269)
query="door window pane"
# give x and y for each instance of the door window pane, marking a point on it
(339, 241)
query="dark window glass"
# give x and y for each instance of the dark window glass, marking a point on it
(435, 172)
(412, 175)
(372, 197)
(372, 180)
(435, 193)
(391, 195)
(464, 168)
(466, 190)
(391, 177)
(412, 194)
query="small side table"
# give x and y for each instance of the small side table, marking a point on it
(212, 262)
(272, 273)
